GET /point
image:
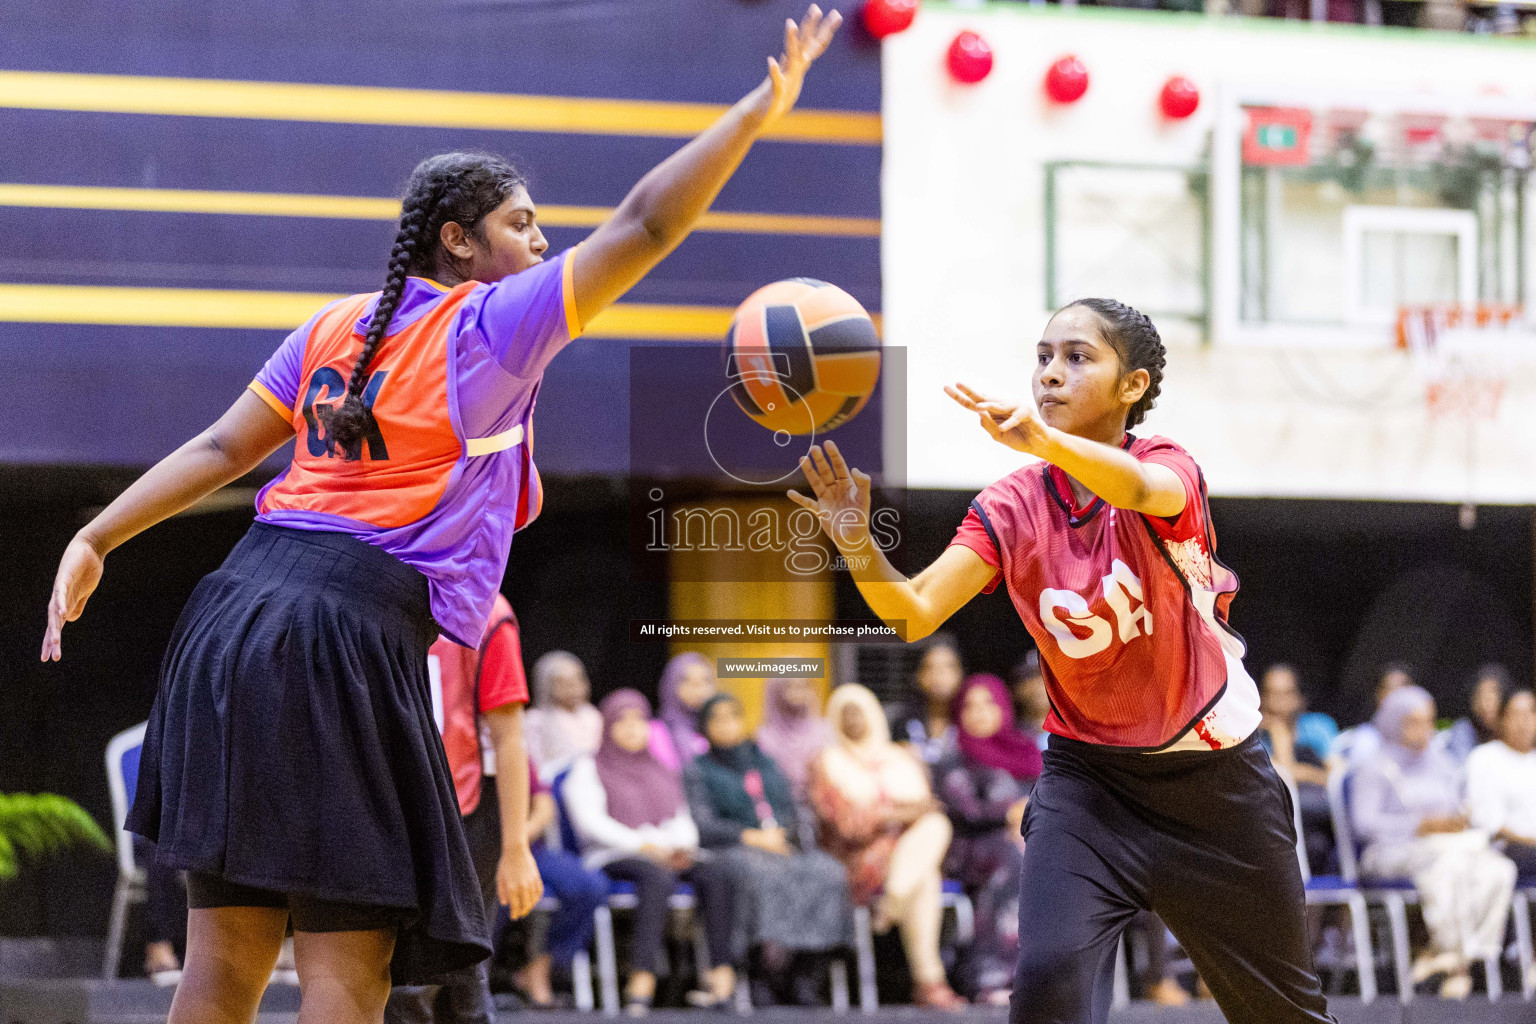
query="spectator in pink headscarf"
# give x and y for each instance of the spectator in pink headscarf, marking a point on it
(686, 683)
(793, 731)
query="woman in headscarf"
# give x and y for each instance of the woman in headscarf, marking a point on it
(562, 725)
(925, 722)
(793, 731)
(984, 781)
(630, 815)
(686, 683)
(877, 815)
(1407, 812)
(791, 898)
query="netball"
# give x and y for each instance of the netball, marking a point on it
(803, 356)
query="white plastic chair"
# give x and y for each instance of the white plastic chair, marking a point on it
(123, 780)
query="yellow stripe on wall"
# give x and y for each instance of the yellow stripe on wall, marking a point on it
(210, 307)
(350, 104)
(213, 307)
(291, 204)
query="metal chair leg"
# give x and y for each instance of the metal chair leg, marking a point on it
(607, 961)
(1520, 909)
(864, 948)
(1397, 919)
(581, 980)
(839, 971)
(1122, 990)
(965, 920)
(1365, 953)
(122, 896)
(1493, 975)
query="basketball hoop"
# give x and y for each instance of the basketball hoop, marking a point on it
(1462, 355)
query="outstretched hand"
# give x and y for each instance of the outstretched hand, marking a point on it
(803, 43)
(79, 573)
(1015, 424)
(842, 496)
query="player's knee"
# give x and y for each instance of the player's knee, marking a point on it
(1047, 983)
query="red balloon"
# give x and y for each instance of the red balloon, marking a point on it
(887, 17)
(970, 58)
(1179, 98)
(1067, 80)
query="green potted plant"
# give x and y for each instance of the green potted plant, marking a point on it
(38, 825)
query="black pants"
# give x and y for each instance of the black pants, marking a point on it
(654, 884)
(1204, 839)
(464, 997)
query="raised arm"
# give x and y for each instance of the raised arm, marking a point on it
(659, 212)
(913, 607)
(1112, 473)
(236, 444)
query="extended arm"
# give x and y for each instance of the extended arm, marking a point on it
(236, 444)
(517, 877)
(913, 607)
(1112, 473)
(659, 212)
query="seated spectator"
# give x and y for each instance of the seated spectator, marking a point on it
(983, 782)
(1407, 811)
(1281, 704)
(877, 815)
(580, 891)
(924, 724)
(1354, 746)
(1501, 782)
(1485, 699)
(793, 731)
(629, 812)
(1029, 698)
(562, 725)
(789, 900)
(165, 918)
(1157, 985)
(686, 683)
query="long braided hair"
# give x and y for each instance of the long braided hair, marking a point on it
(462, 187)
(1138, 344)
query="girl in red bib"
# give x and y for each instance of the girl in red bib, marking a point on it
(1155, 794)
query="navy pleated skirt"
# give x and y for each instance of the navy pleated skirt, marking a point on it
(291, 745)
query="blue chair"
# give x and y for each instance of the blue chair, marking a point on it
(132, 882)
(622, 897)
(1336, 891)
(1395, 895)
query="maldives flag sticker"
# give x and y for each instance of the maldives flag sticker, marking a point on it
(1277, 136)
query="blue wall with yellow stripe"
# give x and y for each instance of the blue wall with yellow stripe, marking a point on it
(182, 181)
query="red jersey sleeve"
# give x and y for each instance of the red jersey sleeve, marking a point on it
(1191, 522)
(973, 534)
(502, 680)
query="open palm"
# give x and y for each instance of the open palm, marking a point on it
(803, 43)
(842, 496)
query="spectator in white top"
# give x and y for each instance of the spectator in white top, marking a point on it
(629, 811)
(1501, 782)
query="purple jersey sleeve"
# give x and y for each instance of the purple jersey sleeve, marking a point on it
(277, 383)
(526, 318)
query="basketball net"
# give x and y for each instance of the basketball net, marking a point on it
(1461, 354)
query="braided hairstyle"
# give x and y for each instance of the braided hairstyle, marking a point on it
(461, 187)
(1137, 343)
